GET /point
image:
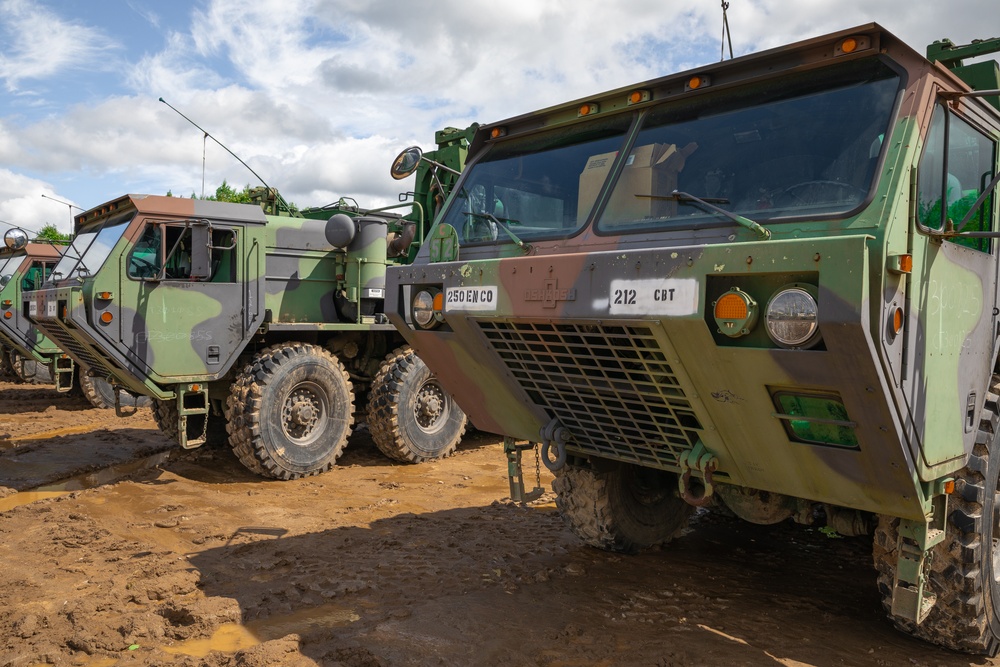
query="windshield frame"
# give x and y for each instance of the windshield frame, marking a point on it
(5, 263)
(100, 240)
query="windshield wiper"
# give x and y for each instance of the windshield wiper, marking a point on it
(763, 232)
(526, 247)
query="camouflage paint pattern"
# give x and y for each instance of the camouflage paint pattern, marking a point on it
(17, 332)
(272, 278)
(533, 333)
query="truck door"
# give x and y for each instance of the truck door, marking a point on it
(954, 286)
(182, 311)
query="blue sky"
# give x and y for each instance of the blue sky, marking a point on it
(318, 96)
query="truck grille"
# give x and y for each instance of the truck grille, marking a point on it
(610, 385)
(72, 347)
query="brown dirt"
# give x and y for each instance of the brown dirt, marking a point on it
(188, 559)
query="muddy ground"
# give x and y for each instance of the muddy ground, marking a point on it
(164, 557)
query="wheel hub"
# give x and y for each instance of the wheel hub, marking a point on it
(430, 406)
(300, 413)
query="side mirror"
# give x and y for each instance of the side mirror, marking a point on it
(406, 162)
(4, 280)
(16, 238)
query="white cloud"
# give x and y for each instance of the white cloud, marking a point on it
(40, 44)
(318, 96)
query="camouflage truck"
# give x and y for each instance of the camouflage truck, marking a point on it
(767, 284)
(269, 323)
(26, 352)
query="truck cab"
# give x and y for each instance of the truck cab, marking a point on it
(768, 284)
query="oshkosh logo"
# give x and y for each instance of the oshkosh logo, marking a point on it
(550, 293)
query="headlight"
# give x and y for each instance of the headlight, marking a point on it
(792, 318)
(423, 310)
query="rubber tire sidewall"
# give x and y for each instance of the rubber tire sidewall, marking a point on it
(391, 417)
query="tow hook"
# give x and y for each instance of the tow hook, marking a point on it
(702, 463)
(554, 436)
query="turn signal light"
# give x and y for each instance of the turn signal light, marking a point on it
(949, 487)
(107, 296)
(7, 314)
(735, 313)
(106, 317)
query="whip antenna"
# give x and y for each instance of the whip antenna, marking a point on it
(726, 35)
(209, 136)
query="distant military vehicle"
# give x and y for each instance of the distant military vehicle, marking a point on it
(25, 352)
(768, 283)
(257, 318)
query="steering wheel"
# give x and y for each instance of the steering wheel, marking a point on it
(146, 266)
(818, 192)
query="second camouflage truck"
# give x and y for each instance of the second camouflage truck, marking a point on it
(25, 352)
(271, 324)
(768, 284)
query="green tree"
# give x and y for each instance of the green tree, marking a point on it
(50, 233)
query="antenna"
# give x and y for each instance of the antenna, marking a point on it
(209, 136)
(726, 34)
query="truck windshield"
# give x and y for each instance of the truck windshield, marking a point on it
(803, 146)
(532, 185)
(90, 248)
(8, 265)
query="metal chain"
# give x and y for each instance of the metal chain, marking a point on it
(538, 468)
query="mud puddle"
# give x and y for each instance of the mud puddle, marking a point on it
(90, 480)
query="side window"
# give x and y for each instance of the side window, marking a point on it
(144, 260)
(166, 252)
(36, 276)
(953, 176)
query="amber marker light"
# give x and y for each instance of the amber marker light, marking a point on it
(735, 313)
(106, 317)
(498, 132)
(697, 82)
(196, 387)
(7, 315)
(107, 296)
(949, 487)
(897, 320)
(637, 96)
(852, 44)
(588, 109)
(438, 302)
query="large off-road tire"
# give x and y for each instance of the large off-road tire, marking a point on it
(290, 411)
(29, 370)
(620, 507)
(101, 394)
(410, 416)
(964, 571)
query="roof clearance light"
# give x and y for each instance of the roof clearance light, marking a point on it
(792, 318)
(735, 313)
(638, 96)
(852, 44)
(498, 132)
(588, 109)
(697, 82)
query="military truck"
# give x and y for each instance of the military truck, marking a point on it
(27, 354)
(768, 284)
(270, 325)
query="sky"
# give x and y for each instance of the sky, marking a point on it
(318, 96)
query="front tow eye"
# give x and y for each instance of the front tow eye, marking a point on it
(702, 463)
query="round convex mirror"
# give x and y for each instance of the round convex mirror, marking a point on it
(15, 239)
(406, 162)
